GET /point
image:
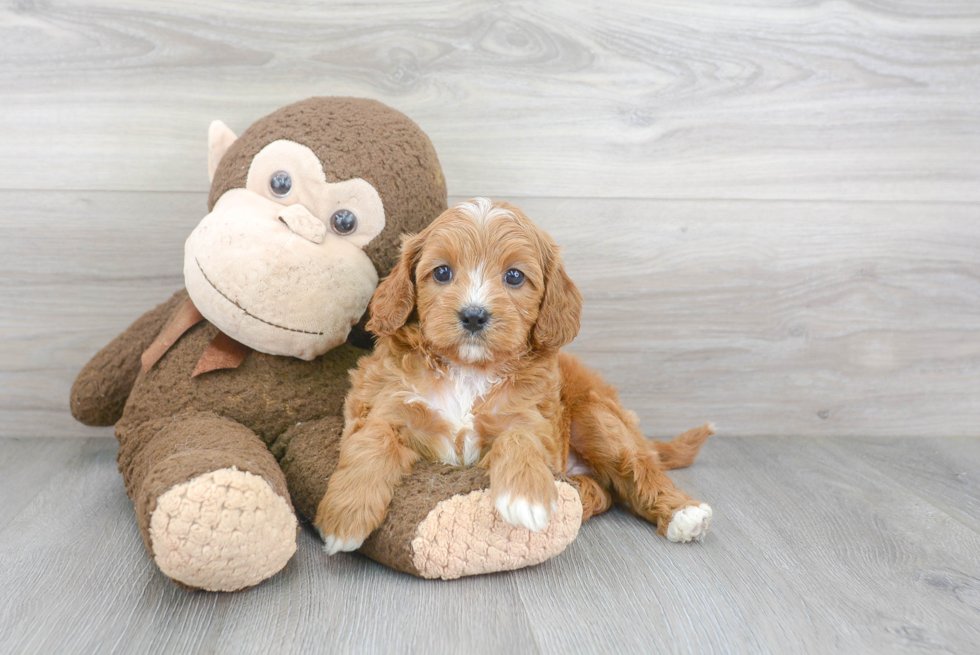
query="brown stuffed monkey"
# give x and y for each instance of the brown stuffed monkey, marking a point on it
(227, 399)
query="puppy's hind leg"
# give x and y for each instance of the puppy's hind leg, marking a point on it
(607, 437)
(596, 499)
(625, 462)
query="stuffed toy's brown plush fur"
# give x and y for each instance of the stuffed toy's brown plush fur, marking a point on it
(227, 399)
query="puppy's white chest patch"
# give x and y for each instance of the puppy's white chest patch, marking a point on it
(452, 397)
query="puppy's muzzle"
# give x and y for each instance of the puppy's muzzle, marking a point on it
(474, 319)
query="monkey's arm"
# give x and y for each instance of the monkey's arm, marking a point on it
(101, 389)
(441, 522)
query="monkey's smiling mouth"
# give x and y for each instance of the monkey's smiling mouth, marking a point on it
(245, 311)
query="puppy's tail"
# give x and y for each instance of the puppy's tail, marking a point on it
(682, 449)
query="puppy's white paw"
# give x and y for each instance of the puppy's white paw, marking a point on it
(690, 523)
(522, 513)
(333, 544)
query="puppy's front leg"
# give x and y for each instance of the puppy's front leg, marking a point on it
(373, 460)
(521, 484)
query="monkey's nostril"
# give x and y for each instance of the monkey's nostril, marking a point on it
(283, 221)
(473, 319)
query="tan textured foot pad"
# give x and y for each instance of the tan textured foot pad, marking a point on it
(222, 531)
(465, 535)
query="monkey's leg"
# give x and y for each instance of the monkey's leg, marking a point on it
(441, 522)
(624, 462)
(211, 500)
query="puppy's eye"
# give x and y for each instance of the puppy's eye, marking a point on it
(514, 277)
(280, 184)
(442, 274)
(343, 222)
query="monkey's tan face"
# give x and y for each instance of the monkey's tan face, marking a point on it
(279, 265)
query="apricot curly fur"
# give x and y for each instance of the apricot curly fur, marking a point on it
(501, 396)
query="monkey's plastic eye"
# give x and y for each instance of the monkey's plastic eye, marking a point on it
(514, 277)
(442, 274)
(280, 184)
(343, 222)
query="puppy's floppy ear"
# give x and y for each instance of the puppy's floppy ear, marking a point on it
(394, 299)
(561, 307)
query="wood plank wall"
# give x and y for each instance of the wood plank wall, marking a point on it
(772, 209)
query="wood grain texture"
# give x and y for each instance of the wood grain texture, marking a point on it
(813, 550)
(946, 472)
(26, 467)
(770, 318)
(638, 98)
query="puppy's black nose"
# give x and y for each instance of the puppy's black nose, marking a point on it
(473, 319)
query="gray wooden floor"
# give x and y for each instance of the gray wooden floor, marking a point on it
(818, 545)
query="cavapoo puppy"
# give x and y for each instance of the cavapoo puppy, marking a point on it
(467, 371)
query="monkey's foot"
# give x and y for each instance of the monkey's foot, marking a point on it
(222, 531)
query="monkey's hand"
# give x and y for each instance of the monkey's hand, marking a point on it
(101, 389)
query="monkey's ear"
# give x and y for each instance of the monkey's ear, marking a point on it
(220, 138)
